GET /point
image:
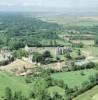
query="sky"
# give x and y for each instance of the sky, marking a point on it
(48, 5)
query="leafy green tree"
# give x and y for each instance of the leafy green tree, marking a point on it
(92, 79)
(47, 54)
(57, 97)
(20, 53)
(19, 96)
(8, 94)
(79, 52)
(38, 89)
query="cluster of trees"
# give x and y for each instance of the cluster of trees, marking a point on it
(68, 55)
(73, 67)
(9, 95)
(78, 45)
(44, 58)
(85, 86)
(17, 30)
(5, 62)
(41, 85)
(43, 81)
(82, 29)
(20, 53)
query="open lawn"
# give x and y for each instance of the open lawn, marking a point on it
(74, 78)
(89, 95)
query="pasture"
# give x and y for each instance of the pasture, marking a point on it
(91, 51)
(13, 82)
(56, 89)
(89, 95)
(71, 21)
(74, 78)
(84, 42)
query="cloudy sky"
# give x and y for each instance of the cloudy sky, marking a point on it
(30, 5)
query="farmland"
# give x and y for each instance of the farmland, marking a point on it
(55, 89)
(14, 82)
(49, 58)
(74, 78)
(89, 95)
(79, 21)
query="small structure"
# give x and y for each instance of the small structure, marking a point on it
(59, 50)
(26, 48)
(81, 62)
(28, 59)
(4, 55)
(62, 50)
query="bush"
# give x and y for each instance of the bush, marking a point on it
(44, 58)
(28, 80)
(82, 73)
(8, 94)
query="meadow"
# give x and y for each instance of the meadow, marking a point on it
(71, 21)
(14, 82)
(46, 36)
(56, 89)
(89, 95)
(74, 78)
(92, 51)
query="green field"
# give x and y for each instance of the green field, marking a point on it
(17, 83)
(89, 95)
(93, 51)
(56, 89)
(71, 21)
(74, 78)
(14, 82)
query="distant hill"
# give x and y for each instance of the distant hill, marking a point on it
(17, 30)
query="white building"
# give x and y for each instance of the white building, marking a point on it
(26, 48)
(4, 55)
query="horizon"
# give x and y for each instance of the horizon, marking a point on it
(62, 6)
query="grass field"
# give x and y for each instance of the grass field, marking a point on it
(74, 78)
(56, 89)
(71, 21)
(17, 83)
(93, 51)
(89, 95)
(13, 82)
(58, 41)
(85, 42)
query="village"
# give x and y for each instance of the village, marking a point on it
(62, 58)
(48, 57)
